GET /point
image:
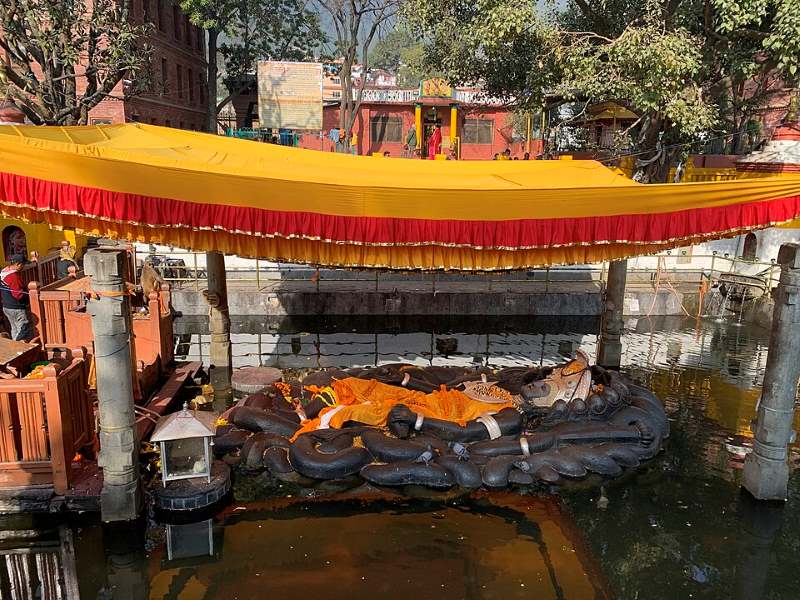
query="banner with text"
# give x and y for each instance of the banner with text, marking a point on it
(290, 95)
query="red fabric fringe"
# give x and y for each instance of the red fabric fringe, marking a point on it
(123, 207)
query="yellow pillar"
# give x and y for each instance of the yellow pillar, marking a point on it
(453, 124)
(418, 124)
(528, 135)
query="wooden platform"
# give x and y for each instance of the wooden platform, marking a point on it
(85, 477)
(165, 399)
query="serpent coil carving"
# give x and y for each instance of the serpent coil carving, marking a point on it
(562, 426)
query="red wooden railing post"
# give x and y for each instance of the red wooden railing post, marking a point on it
(37, 309)
(59, 429)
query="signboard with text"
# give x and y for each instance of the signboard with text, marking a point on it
(290, 95)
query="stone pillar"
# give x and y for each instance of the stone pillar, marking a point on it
(121, 496)
(766, 471)
(609, 351)
(219, 325)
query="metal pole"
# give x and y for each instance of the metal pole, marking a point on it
(121, 496)
(219, 325)
(766, 470)
(609, 352)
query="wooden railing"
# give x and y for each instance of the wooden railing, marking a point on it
(43, 269)
(43, 423)
(62, 322)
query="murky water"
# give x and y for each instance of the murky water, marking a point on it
(677, 529)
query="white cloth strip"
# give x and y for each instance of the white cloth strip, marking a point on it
(523, 444)
(325, 420)
(491, 425)
(418, 424)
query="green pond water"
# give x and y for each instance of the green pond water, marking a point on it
(678, 528)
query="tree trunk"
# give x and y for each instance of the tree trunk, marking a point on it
(652, 168)
(211, 91)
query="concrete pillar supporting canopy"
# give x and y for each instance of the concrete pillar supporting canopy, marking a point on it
(609, 351)
(121, 496)
(766, 469)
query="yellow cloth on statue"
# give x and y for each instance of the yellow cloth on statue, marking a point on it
(369, 401)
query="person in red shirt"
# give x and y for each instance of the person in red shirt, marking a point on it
(15, 300)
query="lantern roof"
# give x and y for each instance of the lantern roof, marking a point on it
(185, 424)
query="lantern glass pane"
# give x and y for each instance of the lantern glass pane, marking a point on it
(185, 457)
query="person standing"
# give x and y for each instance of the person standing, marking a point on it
(354, 143)
(334, 137)
(435, 143)
(411, 142)
(15, 299)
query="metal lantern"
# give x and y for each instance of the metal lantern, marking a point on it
(185, 438)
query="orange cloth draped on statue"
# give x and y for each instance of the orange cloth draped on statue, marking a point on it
(369, 401)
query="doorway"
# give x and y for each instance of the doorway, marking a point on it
(429, 122)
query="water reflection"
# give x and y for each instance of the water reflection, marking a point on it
(501, 547)
(680, 528)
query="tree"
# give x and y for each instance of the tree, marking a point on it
(663, 59)
(61, 59)
(357, 24)
(254, 30)
(402, 53)
(214, 16)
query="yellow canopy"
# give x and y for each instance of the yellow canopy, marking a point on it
(204, 192)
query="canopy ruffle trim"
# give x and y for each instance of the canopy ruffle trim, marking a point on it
(37, 200)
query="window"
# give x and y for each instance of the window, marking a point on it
(384, 128)
(191, 86)
(180, 80)
(336, 94)
(198, 38)
(337, 81)
(176, 22)
(478, 131)
(750, 249)
(101, 122)
(168, 123)
(160, 14)
(188, 27)
(146, 11)
(164, 76)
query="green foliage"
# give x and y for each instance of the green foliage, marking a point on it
(64, 58)
(691, 69)
(775, 22)
(268, 29)
(401, 52)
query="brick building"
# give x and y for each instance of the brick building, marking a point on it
(177, 97)
(177, 93)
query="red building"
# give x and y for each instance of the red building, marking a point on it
(473, 126)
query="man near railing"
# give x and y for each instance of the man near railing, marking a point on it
(15, 299)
